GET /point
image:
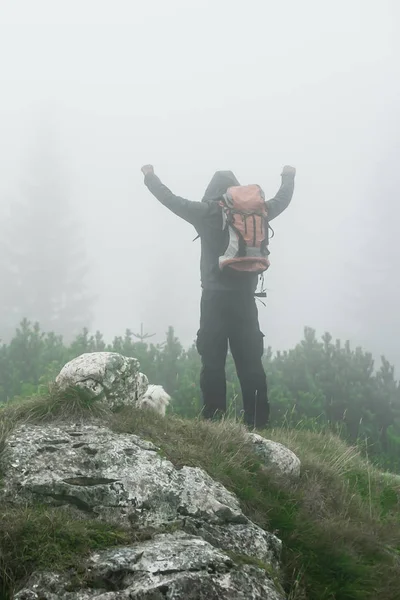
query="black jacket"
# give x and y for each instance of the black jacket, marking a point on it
(206, 217)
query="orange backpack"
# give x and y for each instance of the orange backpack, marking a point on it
(244, 213)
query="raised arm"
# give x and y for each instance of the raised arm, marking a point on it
(282, 199)
(192, 212)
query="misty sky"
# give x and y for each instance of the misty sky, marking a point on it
(196, 86)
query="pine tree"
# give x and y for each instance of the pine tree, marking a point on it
(171, 353)
(42, 258)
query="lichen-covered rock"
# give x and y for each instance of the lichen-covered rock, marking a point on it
(95, 470)
(212, 549)
(247, 539)
(105, 376)
(169, 567)
(276, 455)
(122, 478)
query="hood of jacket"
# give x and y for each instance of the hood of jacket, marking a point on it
(220, 182)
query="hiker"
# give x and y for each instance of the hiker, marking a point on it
(234, 252)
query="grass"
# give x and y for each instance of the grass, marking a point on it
(340, 523)
(38, 538)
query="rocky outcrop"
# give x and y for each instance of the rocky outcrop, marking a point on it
(169, 567)
(123, 478)
(105, 376)
(199, 542)
(276, 456)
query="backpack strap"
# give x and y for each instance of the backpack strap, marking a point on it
(242, 245)
(228, 220)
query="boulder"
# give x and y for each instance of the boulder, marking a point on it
(174, 566)
(105, 376)
(276, 455)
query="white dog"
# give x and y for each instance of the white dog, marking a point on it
(156, 398)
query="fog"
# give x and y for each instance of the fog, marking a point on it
(196, 86)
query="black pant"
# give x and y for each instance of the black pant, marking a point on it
(232, 316)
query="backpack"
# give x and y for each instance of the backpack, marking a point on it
(244, 214)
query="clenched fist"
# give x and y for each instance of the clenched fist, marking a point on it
(287, 170)
(147, 169)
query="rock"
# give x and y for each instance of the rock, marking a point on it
(122, 478)
(202, 544)
(276, 455)
(105, 376)
(95, 469)
(174, 566)
(248, 539)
